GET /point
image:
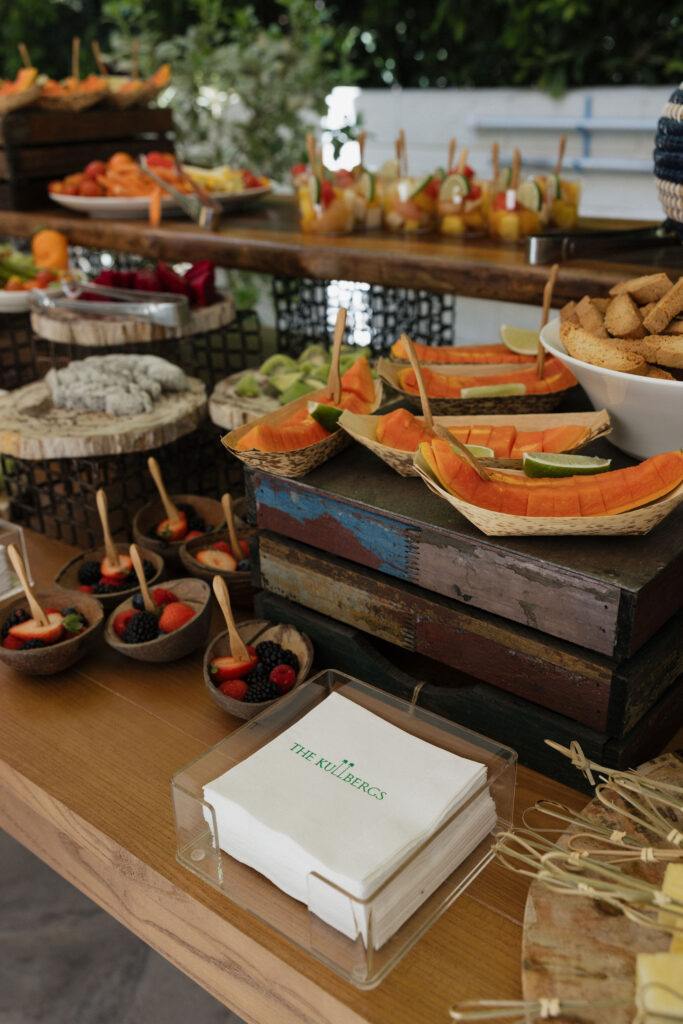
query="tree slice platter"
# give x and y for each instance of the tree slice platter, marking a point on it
(67, 328)
(576, 948)
(229, 410)
(31, 427)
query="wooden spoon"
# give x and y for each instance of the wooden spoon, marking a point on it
(237, 553)
(547, 299)
(417, 370)
(37, 611)
(147, 598)
(113, 556)
(333, 387)
(237, 646)
(404, 153)
(171, 511)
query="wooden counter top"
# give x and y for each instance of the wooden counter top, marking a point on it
(267, 239)
(86, 759)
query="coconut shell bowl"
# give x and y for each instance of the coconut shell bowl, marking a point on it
(68, 578)
(149, 516)
(56, 657)
(223, 553)
(177, 644)
(252, 633)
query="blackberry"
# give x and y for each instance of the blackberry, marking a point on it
(269, 653)
(148, 569)
(289, 658)
(17, 616)
(259, 674)
(105, 588)
(141, 628)
(89, 573)
(261, 691)
(30, 645)
(244, 565)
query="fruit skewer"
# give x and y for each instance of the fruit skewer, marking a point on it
(147, 599)
(547, 299)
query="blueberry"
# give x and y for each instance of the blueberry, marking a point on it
(244, 565)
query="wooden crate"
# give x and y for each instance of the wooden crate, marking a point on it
(505, 717)
(37, 146)
(606, 594)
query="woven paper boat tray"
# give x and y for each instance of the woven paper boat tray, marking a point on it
(302, 460)
(363, 430)
(500, 524)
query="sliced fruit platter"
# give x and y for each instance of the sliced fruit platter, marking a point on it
(21, 91)
(545, 500)
(466, 389)
(305, 433)
(484, 355)
(20, 272)
(499, 440)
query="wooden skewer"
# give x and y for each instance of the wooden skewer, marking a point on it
(310, 150)
(37, 611)
(495, 156)
(103, 511)
(560, 155)
(516, 161)
(319, 161)
(547, 299)
(451, 156)
(462, 160)
(25, 56)
(135, 59)
(237, 646)
(362, 135)
(147, 598)
(76, 58)
(333, 377)
(237, 553)
(417, 370)
(171, 511)
(97, 54)
(404, 153)
(467, 455)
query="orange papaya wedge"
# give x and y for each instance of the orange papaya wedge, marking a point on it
(358, 379)
(465, 354)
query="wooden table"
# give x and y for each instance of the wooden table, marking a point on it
(86, 759)
(267, 239)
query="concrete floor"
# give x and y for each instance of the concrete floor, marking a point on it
(65, 961)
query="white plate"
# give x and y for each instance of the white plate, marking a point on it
(646, 413)
(14, 302)
(137, 207)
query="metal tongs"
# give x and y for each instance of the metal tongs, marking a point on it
(163, 308)
(198, 205)
(556, 247)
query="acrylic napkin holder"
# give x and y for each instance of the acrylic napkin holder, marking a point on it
(355, 960)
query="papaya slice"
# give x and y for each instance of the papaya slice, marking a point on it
(349, 400)
(287, 437)
(480, 435)
(460, 354)
(462, 433)
(428, 455)
(501, 440)
(401, 430)
(526, 441)
(441, 385)
(590, 499)
(358, 379)
(564, 439)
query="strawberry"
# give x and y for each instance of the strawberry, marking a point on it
(51, 611)
(174, 616)
(284, 677)
(161, 596)
(115, 573)
(228, 667)
(222, 561)
(235, 688)
(192, 534)
(172, 529)
(30, 630)
(86, 589)
(13, 643)
(121, 621)
(222, 545)
(112, 581)
(244, 544)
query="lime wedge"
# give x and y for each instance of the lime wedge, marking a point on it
(551, 464)
(440, 172)
(367, 185)
(314, 187)
(554, 186)
(519, 340)
(529, 195)
(503, 180)
(454, 187)
(480, 450)
(421, 186)
(326, 415)
(493, 390)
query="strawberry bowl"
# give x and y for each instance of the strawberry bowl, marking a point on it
(174, 634)
(74, 643)
(215, 559)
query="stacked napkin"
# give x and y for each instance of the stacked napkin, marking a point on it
(345, 797)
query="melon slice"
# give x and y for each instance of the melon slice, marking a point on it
(526, 441)
(501, 440)
(564, 439)
(358, 379)
(401, 430)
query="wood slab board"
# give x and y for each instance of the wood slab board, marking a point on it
(473, 703)
(608, 594)
(600, 692)
(67, 328)
(32, 428)
(575, 948)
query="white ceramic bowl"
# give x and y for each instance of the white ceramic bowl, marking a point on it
(646, 413)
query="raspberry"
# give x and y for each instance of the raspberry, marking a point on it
(235, 688)
(122, 620)
(284, 677)
(161, 596)
(86, 589)
(222, 545)
(174, 616)
(12, 643)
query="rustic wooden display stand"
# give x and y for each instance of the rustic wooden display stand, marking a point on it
(37, 146)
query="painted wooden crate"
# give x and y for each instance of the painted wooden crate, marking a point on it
(608, 595)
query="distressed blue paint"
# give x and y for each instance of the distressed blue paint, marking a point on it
(381, 537)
